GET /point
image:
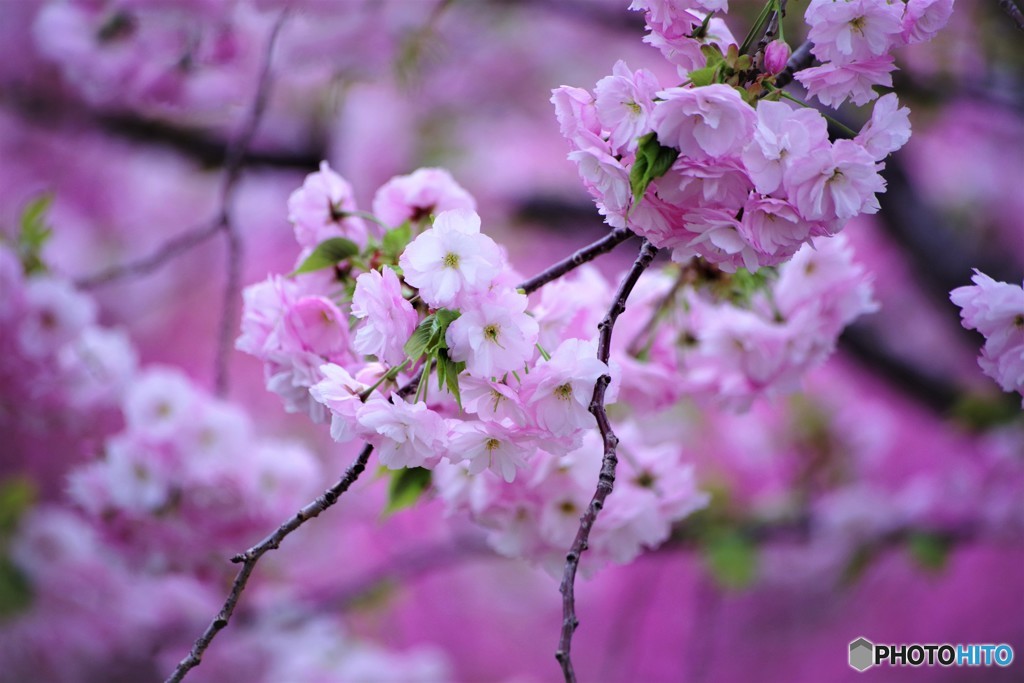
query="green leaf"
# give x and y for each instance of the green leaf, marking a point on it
(420, 339)
(448, 374)
(395, 241)
(15, 589)
(406, 487)
(17, 495)
(930, 551)
(34, 233)
(327, 254)
(705, 76)
(652, 161)
(732, 559)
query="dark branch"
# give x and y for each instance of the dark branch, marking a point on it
(232, 174)
(169, 250)
(250, 557)
(606, 480)
(1011, 9)
(799, 60)
(587, 253)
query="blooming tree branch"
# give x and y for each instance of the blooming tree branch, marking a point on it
(606, 479)
(250, 557)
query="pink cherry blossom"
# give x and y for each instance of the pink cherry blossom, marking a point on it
(494, 334)
(491, 401)
(405, 434)
(996, 310)
(887, 130)
(845, 31)
(317, 210)
(924, 18)
(773, 228)
(624, 102)
(452, 260)
(558, 391)
(782, 134)
(700, 122)
(56, 314)
(840, 182)
(388, 319)
(340, 393)
(425, 192)
(489, 446)
(832, 83)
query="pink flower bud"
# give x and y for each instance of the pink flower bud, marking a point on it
(776, 54)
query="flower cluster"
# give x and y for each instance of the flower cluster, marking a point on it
(853, 39)
(996, 310)
(720, 167)
(68, 373)
(185, 461)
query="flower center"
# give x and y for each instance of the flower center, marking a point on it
(564, 392)
(491, 332)
(491, 444)
(451, 260)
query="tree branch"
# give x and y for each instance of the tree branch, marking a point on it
(570, 263)
(232, 174)
(1013, 11)
(799, 60)
(606, 480)
(250, 557)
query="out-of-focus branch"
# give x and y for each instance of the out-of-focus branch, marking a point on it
(606, 479)
(232, 174)
(250, 557)
(587, 253)
(1013, 11)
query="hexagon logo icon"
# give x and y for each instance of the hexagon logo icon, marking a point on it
(862, 654)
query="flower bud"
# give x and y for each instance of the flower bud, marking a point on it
(776, 54)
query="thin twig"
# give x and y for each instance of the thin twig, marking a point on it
(250, 557)
(587, 253)
(232, 173)
(606, 480)
(169, 250)
(1011, 9)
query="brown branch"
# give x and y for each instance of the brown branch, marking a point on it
(250, 557)
(606, 480)
(166, 252)
(232, 174)
(799, 60)
(587, 253)
(1013, 11)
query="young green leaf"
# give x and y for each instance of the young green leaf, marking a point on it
(406, 487)
(420, 339)
(395, 241)
(652, 161)
(327, 254)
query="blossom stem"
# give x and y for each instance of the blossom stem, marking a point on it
(606, 480)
